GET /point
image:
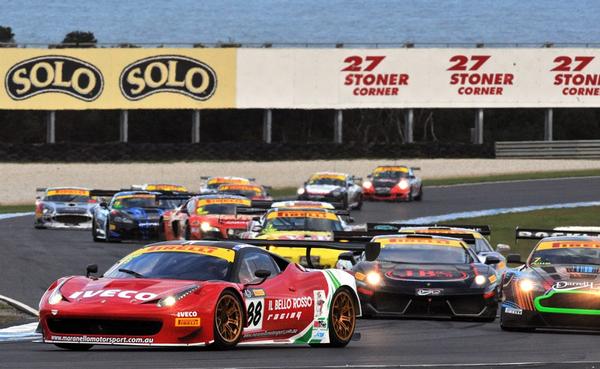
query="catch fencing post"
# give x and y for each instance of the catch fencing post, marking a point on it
(478, 136)
(267, 125)
(409, 126)
(196, 126)
(548, 124)
(51, 127)
(124, 126)
(337, 126)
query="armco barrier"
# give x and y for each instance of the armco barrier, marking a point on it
(231, 151)
(580, 149)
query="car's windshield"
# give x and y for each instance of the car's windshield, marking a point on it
(567, 255)
(168, 204)
(134, 202)
(481, 245)
(301, 224)
(390, 175)
(216, 209)
(333, 181)
(67, 198)
(424, 254)
(172, 265)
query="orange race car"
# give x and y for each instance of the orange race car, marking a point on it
(211, 184)
(252, 191)
(208, 217)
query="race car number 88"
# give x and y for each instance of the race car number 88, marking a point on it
(255, 314)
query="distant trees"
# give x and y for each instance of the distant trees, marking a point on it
(79, 39)
(7, 37)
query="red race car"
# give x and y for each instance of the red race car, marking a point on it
(395, 183)
(207, 216)
(186, 293)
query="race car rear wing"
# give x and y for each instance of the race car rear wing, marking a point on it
(206, 178)
(104, 193)
(371, 249)
(484, 230)
(538, 234)
(356, 236)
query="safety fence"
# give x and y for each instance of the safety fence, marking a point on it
(576, 149)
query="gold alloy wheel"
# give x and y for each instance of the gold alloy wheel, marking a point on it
(343, 316)
(228, 318)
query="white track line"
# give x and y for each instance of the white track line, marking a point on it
(15, 215)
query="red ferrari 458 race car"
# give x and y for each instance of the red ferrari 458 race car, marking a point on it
(209, 216)
(184, 293)
(395, 183)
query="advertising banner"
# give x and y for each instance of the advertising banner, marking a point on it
(53, 79)
(220, 78)
(418, 78)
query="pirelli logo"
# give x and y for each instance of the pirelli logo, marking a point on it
(187, 322)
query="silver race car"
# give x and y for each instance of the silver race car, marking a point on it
(64, 207)
(333, 187)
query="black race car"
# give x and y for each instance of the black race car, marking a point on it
(558, 287)
(426, 276)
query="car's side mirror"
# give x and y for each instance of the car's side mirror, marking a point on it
(348, 256)
(513, 259)
(263, 274)
(372, 251)
(91, 269)
(502, 247)
(492, 260)
(257, 228)
(350, 220)
(103, 205)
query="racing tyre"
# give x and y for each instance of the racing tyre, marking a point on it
(345, 203)
(228, 323)
(342, 318)
(95, 231)
(108, 238)
(187, 233)
(161, 230)
(73, 346)
(420, 196)
(360, 203)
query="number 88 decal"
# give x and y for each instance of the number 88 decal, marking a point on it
(255, 308)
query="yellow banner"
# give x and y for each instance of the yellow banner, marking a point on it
(302, 214)
(54, 79)
(68, 191)
(223, 201)
(552, 245)
(218, 252)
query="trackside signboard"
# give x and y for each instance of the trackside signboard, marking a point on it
(117, 78)
(221, 78)
(402, 78)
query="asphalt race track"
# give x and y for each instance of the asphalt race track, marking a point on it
(31, 259)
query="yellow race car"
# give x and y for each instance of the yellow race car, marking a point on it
(316, 224)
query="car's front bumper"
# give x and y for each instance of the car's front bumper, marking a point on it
(465, 304)
(64, 221)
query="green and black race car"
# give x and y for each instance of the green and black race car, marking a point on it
(558, 287)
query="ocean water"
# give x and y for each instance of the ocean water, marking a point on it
(308, 21)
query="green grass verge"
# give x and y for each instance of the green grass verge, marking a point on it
(511, 177)
(16, 208)
(503, 226)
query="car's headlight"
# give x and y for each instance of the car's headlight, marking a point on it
(206, 227)
(46, 211)
(373, 278)
(526, 285)
(403, 184)
(336, 193)
(56, 296)
(480, 280)
(301, 191)
(172, 299)
(367, 184)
